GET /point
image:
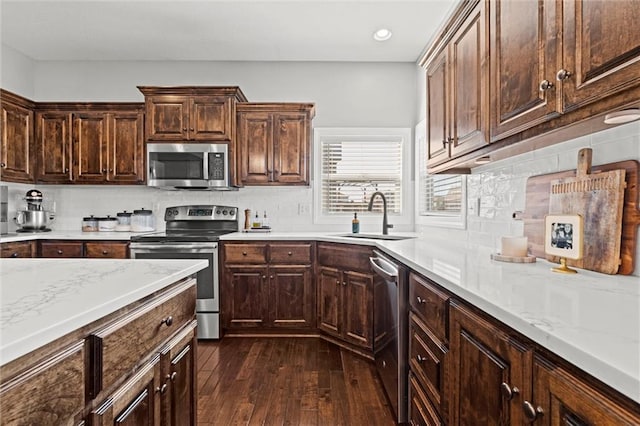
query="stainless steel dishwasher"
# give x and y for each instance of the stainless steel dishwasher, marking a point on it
(391, 354)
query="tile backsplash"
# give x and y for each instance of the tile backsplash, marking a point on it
(499, 188)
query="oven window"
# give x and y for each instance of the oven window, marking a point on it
(206, 287)
(176, 165)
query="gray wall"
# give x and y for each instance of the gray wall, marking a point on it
(350, 94)
(16, 72)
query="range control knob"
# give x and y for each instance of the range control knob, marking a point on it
(224, 212)
(175, 212)
(218, 211)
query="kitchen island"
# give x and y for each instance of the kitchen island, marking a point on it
(97, 329)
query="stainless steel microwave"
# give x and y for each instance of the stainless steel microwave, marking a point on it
(203, 166)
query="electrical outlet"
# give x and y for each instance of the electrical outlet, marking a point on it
(304, 209)
(474, 207)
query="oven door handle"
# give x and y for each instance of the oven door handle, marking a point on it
(148, 248)
(385, 269)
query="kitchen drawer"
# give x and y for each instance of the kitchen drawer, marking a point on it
(430, 304)
(53, 389)
(245, 253)
(347, 257)
(122, 344)
(421, 412)
(426, 361)
(299, 254)
(61, 249)
(16, 249)
(106, 250)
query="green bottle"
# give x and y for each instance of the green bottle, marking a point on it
(355, 224)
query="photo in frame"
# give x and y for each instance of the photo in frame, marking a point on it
(563, 235)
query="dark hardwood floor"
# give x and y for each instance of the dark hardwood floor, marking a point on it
(286, 381)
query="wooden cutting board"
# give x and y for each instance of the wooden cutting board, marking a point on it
(599, 199)
(537, 206)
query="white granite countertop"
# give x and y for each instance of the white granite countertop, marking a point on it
(592, 320)
(44, 299)
(67, 235)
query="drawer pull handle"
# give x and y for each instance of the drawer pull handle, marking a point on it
(105, 252)
(172, 376)
(420, 359)
(290, 254)
(59, 251)
(420, 300)
(162, 389)
(508, 392)
(14, 254)
(530, 412)
(244, 253)
(168, 321)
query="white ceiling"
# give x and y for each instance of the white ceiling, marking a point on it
(220, 30)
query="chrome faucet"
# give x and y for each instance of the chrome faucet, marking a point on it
(385, 224)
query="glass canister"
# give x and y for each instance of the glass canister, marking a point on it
(90, 224)
(142, 221)
(124, 221)
(107, 224)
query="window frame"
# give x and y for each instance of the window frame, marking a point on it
(436, 219)
(358, 134)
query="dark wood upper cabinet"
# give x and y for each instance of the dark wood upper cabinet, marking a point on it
(524, 60)
(550, 69)
(601, 50)
(90, 143)
(457, 91)
(54, 146)
(175, 114)
(17, 159)
(274, 143)
(90, 147)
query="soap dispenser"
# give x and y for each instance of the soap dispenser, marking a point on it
(355, 224)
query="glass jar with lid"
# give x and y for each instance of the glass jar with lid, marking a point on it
(142, 221)
(107, 224)
(90, 224)
(124, 221)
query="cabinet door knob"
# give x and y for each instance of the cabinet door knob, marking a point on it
(14, 254)
(172, 376)
(110, 170)
(244, 253)
(168, 321)
(162, 389)
(104, 170)
(344, 283)
(290, 253)
(3, 165)
(264, 277)
(545, 85)
(270, 277)
(338, 282)
(508, 392)
(530, 412)
(66, 170)
(192, 129)
(563, 75)
(105, 252)
(420, 300)
(420, 358)
(184, 129)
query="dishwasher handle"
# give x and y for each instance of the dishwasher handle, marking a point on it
(384, 268)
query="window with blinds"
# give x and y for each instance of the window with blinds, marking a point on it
(441, 195)
(354, 167)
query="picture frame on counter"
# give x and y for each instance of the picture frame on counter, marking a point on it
(563, 235)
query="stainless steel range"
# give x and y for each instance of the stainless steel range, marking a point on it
(192, 232)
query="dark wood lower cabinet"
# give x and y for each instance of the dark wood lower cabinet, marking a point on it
(491, 372)
(245, 297)
(421, 412)
(561, 398)
(23, 249)
(291, 297)
(136, 402)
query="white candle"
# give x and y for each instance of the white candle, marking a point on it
(514, 246)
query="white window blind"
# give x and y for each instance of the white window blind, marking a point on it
(355, 167)
(441, 195)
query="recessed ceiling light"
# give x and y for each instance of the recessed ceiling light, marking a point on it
(624, 116)
(382, 34)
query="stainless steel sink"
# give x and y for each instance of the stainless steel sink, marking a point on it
(376, 236)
